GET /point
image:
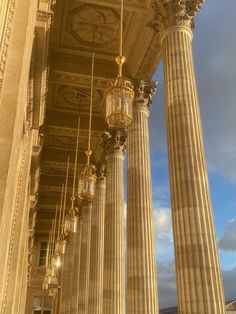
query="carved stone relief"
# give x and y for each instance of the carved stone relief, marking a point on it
(77, 98)
(94, 24)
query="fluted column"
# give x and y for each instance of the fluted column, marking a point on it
(114, 259)
(84, 261)
(199, 282)
(97, 247)
(76, 268)
(65, 279)
(70, 273)
(142, 280)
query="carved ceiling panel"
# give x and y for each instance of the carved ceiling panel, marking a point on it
(58, 168)
(67, 78)
(89, 26)
(60, 142)
(61, 138)
(74, 98)
(94, 25)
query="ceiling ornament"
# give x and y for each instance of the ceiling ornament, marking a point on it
(75, 98)
(86, 20)
(64, 142)
(80, 80)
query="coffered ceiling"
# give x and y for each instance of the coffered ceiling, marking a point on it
(79, 28)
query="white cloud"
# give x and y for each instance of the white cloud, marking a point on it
(162, 220)
(228, 240)
(163, 231)
(166, 284)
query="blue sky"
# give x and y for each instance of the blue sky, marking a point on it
(214, 48)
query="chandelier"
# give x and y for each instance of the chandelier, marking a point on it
(56, 256)
(71, 219)
(120, 95)
(50, 278)
(87, 178)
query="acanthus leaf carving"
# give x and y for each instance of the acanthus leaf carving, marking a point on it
(169, 13)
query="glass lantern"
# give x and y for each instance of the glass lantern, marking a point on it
(50, 271)
(87, 182)
(45, 282)
(52, 282)
(119, 103)
(60, 247)
(52, 292)
(56, 261)
(71, 224)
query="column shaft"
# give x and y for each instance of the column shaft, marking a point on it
(76, 268)
(114, 259)
(70, 275)
(64, 282)
(199, 280)
(84, 261)
(97, 249)
(142, 281)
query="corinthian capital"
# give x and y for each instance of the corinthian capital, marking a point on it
(144, 91)
(175, 12)
(114, 142)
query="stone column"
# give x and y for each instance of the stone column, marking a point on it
(76, 268)
(70, 282)
(199, 281)
(114, 253)
(142, 279)
(64, 285)
(84, 260)
(97, 247)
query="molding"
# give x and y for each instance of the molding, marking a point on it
(6, 39)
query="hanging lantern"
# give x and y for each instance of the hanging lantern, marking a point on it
(71, 224)
(51, 271)
(56, 261)
(52, 292)
(87, 183)
(52, 282)
(60, 247)
(119, 103)
(45, 282)
(120, 96)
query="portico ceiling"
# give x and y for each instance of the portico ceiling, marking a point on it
(79, 28)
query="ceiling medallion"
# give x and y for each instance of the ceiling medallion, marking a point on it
(92, 24)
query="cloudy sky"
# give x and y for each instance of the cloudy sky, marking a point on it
(214, 48)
